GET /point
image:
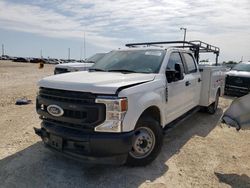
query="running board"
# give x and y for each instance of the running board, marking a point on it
(180, 119)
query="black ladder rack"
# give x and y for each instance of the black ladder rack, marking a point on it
(196, 46)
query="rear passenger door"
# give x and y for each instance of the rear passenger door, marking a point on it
(193, 77)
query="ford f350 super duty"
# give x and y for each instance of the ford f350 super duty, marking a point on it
(116, 112)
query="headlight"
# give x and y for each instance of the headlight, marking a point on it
(116, 109)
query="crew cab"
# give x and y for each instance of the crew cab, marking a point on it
(116, 112)
(82, 66)
(238, 80)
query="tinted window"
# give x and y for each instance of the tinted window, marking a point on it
(141, 61)
(174, 58)
(191, 66)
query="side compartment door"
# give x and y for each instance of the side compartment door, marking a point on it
(179, 94)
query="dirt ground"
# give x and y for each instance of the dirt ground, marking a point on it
(200, 152)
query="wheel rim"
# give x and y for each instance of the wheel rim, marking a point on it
(143, 143)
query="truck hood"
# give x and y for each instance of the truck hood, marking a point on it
(74, 65)
(238, 73)
(94, 82)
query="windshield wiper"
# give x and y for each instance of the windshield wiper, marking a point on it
(96, 69)
(122, 71)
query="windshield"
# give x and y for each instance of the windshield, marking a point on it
(138, 61)
(242, 67)
(95, 57)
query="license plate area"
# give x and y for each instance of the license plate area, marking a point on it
(56, 142)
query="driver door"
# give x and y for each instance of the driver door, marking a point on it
(179, 95)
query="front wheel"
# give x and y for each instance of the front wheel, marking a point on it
(147, 142)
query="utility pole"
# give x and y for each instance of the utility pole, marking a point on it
(41, 53)
(81, 51)
(2, 49)
(241, 59)
(69, 54)
(185, 32)
(84, 46)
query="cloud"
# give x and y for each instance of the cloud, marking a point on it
(110, 23)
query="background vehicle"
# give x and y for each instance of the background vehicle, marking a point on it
(21, 59)
(78, 66)
(116, 112)
(238, 80)
(37, 60)
(6, 57)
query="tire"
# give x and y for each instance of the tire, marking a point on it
(147, 142)
(212, 108)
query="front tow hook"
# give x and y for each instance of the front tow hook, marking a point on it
(38, 131)
(43, 134)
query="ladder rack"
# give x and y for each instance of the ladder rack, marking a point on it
(196, 46)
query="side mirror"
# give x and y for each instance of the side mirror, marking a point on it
(176, 74)
(170, 75)
(179, 71)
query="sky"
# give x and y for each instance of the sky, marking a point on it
(29, 27)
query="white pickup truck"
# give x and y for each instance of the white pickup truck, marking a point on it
(78, 66)
(116, 112)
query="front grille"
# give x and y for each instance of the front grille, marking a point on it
(237, 86)
(238, 81)
(61, 70)
(67, 96)
(80, 109)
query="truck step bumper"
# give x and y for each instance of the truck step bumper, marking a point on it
(102, 148)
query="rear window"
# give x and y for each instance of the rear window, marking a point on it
(191, 66)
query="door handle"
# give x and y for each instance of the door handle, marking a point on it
(187, 83)
(199, 79)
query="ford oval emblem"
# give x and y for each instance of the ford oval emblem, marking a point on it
(55, 110)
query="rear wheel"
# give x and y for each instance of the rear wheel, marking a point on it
(212, 108)
(147, 142)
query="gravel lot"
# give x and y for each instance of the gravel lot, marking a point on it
(200, 152)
